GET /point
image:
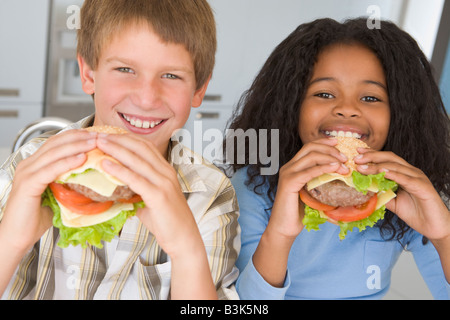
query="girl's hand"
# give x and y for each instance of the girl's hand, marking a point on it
(314, 159)
(417, 202)
(24, 220)
(285, 224)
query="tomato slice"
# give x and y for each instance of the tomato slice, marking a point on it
(312, 202)
(349, 214)
(77, 202)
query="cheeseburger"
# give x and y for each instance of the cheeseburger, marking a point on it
(89, 205)
(353, 200)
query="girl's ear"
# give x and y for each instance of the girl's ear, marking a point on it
(200, 94)
(87, 76)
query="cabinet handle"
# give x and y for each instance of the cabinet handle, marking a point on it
(212, 98)
(207, 115)
(9, 92)
(9, 114)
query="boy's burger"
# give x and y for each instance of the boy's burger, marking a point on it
(89, 205)
(353, 200)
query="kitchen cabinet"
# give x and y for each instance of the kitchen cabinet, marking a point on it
(23, 56)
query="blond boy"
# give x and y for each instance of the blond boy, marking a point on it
(145, 63)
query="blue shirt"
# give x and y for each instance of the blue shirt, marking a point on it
(320, 266)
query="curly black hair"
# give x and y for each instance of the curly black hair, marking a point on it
(419, 129)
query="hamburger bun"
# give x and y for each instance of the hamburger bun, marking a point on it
(348, 146)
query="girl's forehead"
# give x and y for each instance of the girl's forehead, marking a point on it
(349, 60)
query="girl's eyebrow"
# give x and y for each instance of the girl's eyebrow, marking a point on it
(377, 83)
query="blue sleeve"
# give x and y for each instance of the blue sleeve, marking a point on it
(429, 265)
(253, 220)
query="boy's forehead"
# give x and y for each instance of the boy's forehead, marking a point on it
(124, 46)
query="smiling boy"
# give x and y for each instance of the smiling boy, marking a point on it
(145, 63)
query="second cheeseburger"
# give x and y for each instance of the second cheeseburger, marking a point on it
(353, 200)
(90, 205)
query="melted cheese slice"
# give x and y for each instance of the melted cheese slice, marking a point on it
(93, 180)
(328, 177)
(75, 220)
(384, 197)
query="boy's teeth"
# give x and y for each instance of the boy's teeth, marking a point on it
(142, 124)
(348, 134)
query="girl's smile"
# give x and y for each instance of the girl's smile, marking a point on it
(347, 95)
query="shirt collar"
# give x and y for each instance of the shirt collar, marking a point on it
(186, 164)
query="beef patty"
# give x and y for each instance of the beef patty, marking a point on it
(121, 192)
(337, 194)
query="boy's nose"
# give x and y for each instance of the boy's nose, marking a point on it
(147, 93)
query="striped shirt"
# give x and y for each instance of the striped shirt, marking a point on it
(131, 266)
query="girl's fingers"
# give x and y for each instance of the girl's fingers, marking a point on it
(372, 156)
(316, 158)
(325, 146)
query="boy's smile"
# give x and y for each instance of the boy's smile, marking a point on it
(143, 85)
(347, 95)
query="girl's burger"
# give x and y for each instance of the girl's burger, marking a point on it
(89, 205)
(353, 200)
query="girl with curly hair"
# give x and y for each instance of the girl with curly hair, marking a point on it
(373, 83)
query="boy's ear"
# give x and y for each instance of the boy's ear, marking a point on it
(87, 76)
(200, 94)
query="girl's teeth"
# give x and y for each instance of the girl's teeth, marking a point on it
(348, 134)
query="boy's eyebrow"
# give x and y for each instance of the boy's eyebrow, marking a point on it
(117, 59)
(130, 63)
(377, 83)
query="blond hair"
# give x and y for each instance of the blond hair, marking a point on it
(187, 22)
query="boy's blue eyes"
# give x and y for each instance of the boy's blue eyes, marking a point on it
(171, 76)
(129, 70)
(125, 70)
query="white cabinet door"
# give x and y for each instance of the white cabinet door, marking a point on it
(14, 118)
(23, 49)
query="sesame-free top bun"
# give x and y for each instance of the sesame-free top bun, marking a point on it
(348, 146)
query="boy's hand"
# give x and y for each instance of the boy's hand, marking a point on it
(166, 214)
(24, 220)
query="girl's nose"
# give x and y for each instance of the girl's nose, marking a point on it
(347, 110)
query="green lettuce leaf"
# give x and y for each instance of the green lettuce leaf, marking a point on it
(363, 182)
(93, 235)
(313, 219)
